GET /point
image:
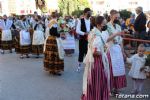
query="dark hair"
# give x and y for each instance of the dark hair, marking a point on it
(93, 20)
(22, 16)
(148, 23)
(53, 15)
(86, 10)
(39, 17)
(99, 20)
(112, 12)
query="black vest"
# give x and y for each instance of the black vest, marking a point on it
(83, 29)
(83, 26)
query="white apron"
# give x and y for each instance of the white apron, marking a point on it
(69, 42)
(25, 38)
(60, 48)
(118, 66)
(6, 35)
(38, 38)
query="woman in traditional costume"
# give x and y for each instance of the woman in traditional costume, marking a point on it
(24, 39)
(53, 56)
(38, 37)
(95, 79)
(6, 35)
(115, 55)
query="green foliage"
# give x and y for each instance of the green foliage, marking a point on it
(69, 7)
(125, 14)
(78, 13)
(148, 61)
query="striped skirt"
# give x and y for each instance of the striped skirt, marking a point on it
(37, 49)
(52, 62)
(5, 45)
(97, 87)
(21, 49)
(117, 82)
(111, 72)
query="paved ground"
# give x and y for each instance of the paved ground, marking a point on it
(26, 80)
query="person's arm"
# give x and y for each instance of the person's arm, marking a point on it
(112, 36)
(78, 28)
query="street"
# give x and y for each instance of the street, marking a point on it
(25, 79)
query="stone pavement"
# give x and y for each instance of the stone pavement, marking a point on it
(25, 79)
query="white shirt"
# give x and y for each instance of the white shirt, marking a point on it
(137, 63)
(87, 24)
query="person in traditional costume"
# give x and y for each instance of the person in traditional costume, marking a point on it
(53, 50)
(68, 38)
(24, 38)
(38, 37)
(83, 28)
(96, 78)
(6, 35)
(115, 55)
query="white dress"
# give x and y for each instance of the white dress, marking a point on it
(118, 66)
(137, 62)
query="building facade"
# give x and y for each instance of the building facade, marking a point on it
(19, 7)
(102, 6)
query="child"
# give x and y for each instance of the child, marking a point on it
(136, 72)
(68, 39)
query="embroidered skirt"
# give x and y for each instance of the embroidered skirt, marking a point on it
(52, 62)
(5, 45)
(21, 49)
(37, 49)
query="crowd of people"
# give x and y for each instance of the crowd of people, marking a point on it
(101, 47)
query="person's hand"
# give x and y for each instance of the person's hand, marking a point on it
(85, 33)
(142, 68)
(96, 53)
(120, 33)
(126, 31)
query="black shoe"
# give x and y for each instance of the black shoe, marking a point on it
(21, 57)
(57, 74)
(27, 56)
(10, 51)
(2, 52)
(37, 57)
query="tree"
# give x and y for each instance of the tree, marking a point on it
(125, 14)
(78, 13)
(41, 4)
(66, 7)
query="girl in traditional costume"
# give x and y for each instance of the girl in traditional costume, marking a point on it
(68, 41)
(53, 50)
(95, 79)
(115, 55)
(24, 39)
(38, 37)
(6, 35)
